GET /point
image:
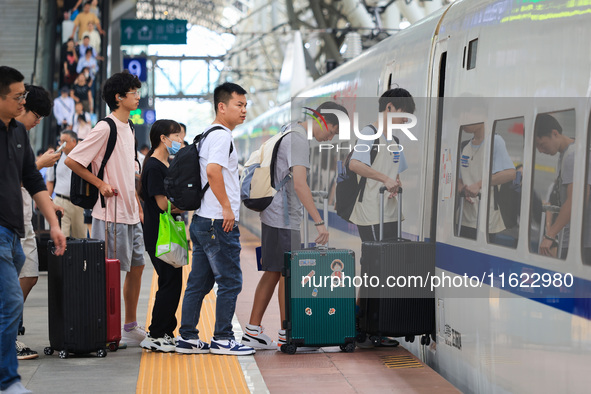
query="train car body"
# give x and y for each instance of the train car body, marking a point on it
(500, 64)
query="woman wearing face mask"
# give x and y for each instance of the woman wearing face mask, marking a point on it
(165, 140)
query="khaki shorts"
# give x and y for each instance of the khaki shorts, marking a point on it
(29, 243)
(130, 242)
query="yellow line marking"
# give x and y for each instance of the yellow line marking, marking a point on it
(189, 373)
(400, 362)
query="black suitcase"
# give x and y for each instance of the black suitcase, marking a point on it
(42, 238)
(399, 311)
(77, 298)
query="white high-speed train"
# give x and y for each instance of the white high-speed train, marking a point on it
(500, 63)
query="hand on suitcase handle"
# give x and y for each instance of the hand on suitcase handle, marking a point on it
(384, 188)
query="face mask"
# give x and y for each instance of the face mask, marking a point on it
(176, 146)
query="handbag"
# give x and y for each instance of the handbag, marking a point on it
(171, 245)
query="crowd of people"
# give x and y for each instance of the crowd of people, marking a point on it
(214, 228)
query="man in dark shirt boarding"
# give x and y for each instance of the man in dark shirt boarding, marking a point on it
(17, 165)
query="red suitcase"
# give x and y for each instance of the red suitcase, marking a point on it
(113, 280)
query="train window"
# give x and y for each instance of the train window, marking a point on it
(472, 51)
(469, 178)
(586, 241)
(552, 182)
(505, 173)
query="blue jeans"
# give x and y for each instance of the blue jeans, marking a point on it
(216, 259)
(12, 259)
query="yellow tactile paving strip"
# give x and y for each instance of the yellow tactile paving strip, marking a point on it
(195, 373)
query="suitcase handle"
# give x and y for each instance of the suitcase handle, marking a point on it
(115, 194)
(324, 195)
(399, 199)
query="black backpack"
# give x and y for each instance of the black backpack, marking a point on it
(83, 193)
(183, 183)
(349, 190)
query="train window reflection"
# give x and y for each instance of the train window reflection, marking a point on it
(551, 197)
(505, 180)
(586, 241)
(469, 180)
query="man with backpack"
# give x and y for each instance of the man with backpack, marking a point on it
(214, 229)
(376, 168)
(380, 167)
(122, 96)
(280, 221)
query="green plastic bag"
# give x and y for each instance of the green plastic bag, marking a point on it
(171, 246)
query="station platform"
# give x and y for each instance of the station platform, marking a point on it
(326, 370)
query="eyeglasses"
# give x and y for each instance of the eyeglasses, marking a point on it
(39, 117)
(137, 93)
(22, 97)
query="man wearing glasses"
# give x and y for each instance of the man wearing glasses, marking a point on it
(37, 106)
(122, 96)
(17, 166)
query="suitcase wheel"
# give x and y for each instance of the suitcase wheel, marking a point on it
(64, 354)
(360, 338)
(113, 346)
(48, 351)
(425, 340)
(288, 348)
(348, 348)
(101, 353)
(376, 340)
(409, 338)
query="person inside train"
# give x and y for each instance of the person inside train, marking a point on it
(281, 224)
(550, 140)
(383, 170)
(165, 140)
(215, 233)
(470, 181)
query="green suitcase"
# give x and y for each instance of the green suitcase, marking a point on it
(319, 312)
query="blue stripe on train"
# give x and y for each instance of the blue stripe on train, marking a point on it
(575, 299)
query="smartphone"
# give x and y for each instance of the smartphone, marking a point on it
(60, 148)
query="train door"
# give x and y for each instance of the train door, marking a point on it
(438, 161)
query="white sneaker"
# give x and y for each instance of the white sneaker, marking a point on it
(229, 347)
(133, 337)
(165, 344)
(191, 346)
(281, 339)
(255, 337)
(16, 388)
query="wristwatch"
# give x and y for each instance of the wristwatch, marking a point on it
(320, 223)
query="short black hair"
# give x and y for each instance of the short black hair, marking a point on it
(71, 134)
(8, 76)
(545, 124)
(331, 118)
(399, 98)
(38, 100)
(223, 93)
(119, 83)
(183, 126)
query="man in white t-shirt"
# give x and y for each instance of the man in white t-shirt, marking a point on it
(470, 181)
(214, 231)
(382, 169)
(58, 180)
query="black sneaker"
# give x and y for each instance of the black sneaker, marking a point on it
(24, 353)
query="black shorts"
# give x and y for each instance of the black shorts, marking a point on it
(275, 242)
